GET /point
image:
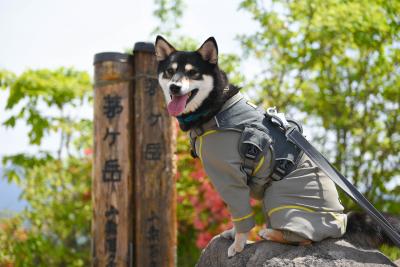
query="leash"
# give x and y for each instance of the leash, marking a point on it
(298, 139)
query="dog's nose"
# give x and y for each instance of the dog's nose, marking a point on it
(175, 89)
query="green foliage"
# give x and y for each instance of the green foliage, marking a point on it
(336, 61)
(52, 88)
(188, 252)
(168, 12)
(230, 63)
(54, 229)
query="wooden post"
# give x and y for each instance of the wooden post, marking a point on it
(134, 207)
(112, 229)
(155, 234)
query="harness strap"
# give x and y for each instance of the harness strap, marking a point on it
(193, 147)
(283, 166)
(252, 154)
(211, 124)
(198, 131)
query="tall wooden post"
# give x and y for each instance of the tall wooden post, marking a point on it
(134, 210)
(155, 233)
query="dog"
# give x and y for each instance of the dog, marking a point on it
(198, 94)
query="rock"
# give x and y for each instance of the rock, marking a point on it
(330, 252)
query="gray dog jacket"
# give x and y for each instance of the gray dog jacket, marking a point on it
(296, 195)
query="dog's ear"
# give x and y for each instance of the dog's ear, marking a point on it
(209, 50)
(163, 48)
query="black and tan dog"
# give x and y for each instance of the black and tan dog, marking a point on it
(245, 156)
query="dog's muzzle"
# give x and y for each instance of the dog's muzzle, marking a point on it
(175, 89)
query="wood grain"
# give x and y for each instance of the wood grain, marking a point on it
(118, 194)
(145, 195)
(155, 197)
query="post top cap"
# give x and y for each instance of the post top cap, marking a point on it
(111, 56)
(144, 47)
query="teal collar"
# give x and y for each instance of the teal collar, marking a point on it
(186, 119)
(183, 119)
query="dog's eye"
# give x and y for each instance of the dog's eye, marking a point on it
(192, 72)
(170, 71)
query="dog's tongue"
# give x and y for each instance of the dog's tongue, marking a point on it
(177, 104)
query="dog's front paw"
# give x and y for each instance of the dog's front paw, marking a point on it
(238, 245)
(231, 251)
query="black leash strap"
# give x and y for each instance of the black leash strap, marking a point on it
(298, 139)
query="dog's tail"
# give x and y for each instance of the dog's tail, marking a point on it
(363, 231)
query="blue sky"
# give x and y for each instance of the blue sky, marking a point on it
(50, 34)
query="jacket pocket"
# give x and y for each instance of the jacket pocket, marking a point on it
(254, 143)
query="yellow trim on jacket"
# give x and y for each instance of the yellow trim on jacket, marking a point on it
(289, 207)
(243, 218)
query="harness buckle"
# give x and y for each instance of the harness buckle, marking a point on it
(277, 118)
(199, 130)
(252, 152)
(283, 168)
(250, 156)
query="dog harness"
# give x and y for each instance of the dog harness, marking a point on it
(270, 133)
(245, 153)
(261, 133)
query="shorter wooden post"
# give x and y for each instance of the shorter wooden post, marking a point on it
(112, 226)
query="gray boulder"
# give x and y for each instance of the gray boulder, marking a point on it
(331, 252)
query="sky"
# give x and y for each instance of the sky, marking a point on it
(50, 34)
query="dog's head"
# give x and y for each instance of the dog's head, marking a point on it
(186, 78)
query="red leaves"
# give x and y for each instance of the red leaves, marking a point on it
(203, 239)
(210, 215)
(88, 151)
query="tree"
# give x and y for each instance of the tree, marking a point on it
(337, 61)
(54, 230)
